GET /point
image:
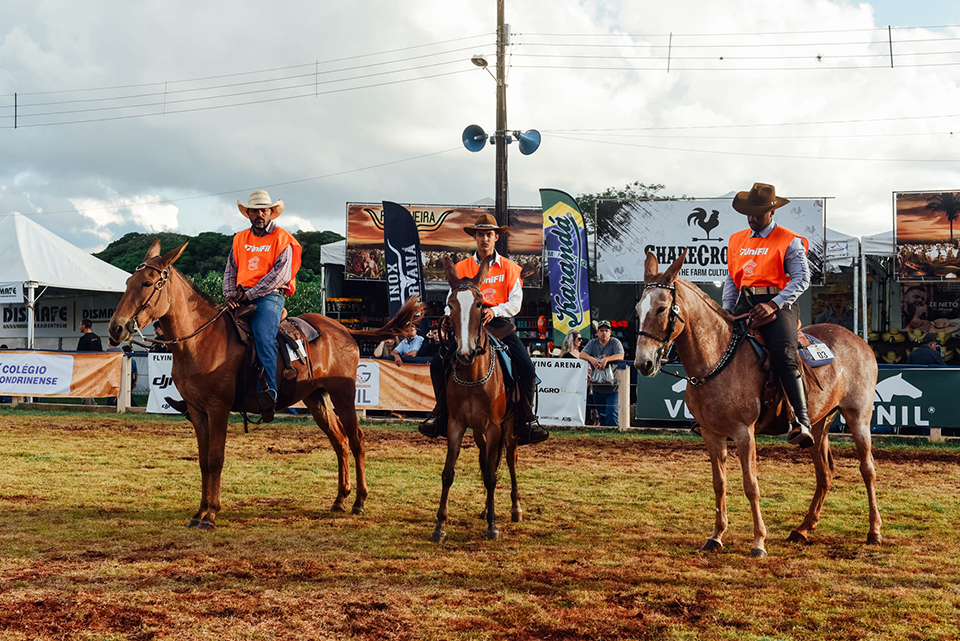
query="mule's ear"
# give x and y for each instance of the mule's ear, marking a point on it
(450, 271)
(484, 269)
(171, 256)
(674, 268)
(154, 250)
(650, 267)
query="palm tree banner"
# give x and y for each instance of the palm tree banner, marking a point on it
(928, 246)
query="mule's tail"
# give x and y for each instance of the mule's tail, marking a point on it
(410, 314)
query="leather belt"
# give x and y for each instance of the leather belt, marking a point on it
(753, 291)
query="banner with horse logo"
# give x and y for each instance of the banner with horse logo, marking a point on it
(627, 230)
(401, 241)
(566, 241)
(440, 228)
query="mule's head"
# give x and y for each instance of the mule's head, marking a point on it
(466, 306)
(659, 322)
(146, 299)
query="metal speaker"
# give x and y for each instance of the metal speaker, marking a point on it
(474, 138)
(529, 141)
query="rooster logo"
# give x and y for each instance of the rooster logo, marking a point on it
(704, 222)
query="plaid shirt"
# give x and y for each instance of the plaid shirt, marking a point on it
(274, 279)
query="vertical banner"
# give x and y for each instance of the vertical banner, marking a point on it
(161, 385)
(566, 241)
(401, 242)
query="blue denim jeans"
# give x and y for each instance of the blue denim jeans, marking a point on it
(265, 322)
(608, 405)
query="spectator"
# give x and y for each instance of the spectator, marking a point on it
(159, 348)
(927, 354)
(89, 342)
(384, 348)
(571, 345)
(600, 352)
(409, 346)
(837, 311)
(431, 345)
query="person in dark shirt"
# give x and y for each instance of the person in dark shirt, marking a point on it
(927, 354)
(430, 345)
(159, 348)
(89, 342)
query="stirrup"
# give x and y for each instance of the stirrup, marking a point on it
(530, 433)
(800, 435)
(431, 427)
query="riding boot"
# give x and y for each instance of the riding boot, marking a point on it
(436, 424)
(527, 426)
(800, 433)
(267, 400)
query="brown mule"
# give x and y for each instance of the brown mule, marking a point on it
(477, 400)
(728, 404)
(206, 364)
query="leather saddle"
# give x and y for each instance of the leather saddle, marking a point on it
(293, 336)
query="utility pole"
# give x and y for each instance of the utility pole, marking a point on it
(500, 137)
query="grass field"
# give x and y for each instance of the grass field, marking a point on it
(92, 543)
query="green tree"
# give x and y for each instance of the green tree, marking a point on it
(632, 191)
(949, 204)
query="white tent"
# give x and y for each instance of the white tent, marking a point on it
(881, 244)
(33, 257)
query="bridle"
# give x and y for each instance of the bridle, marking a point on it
(667, 341)
(145, 305)
(480, 349)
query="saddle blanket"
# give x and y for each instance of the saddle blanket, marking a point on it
(815, 352)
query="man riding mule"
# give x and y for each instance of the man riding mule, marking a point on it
(767, 272)
(502, 297)
(260, 271)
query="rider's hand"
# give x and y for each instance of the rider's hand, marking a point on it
(486, 315)
(446, 326)
(234, 299)
(762, 311)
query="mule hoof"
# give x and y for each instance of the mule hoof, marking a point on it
(711, 545)
(493, 534)
(757, 553)
(357, 510)
(439, 535)
(337, 507)
(516, 517)
(873, 539)
(193, 523)
(206, 525)
(796, 537)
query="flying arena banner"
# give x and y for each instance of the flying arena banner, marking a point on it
(401, 243)
(627, 230)
(162, 385)
(87, 375)
(566, 241)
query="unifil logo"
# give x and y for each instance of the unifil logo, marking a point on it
(893, 414)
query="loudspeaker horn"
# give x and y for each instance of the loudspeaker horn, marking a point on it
(474, 138)
(529, 141)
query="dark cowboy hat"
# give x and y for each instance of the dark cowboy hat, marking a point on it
(485, 222)
(762, 198)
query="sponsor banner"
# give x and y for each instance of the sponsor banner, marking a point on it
(562, 393)
(627, 230)
(86, 375)
(566, 241)
(906, 397)
(440, 229)
(161, 384)
(927, 232)
(11, 292)
(402, 256)
(58, 318)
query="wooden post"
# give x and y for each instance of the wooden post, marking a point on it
(123, 400)
(623, 397)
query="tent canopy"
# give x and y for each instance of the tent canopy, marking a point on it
(334, 253)
(842, 250)
(32, 253)
(881, 244)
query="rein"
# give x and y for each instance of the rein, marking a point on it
(157, 287)
(666, 342)
(479, 350)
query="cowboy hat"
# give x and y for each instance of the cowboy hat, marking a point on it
(892, 357)
(944, 325)
(917, 335)
(260, 199)
(486, 222)
(940, 337)
(918, 323)
(760, 199)
(836, 289)
(604, 323)
(873, 337)
(556, 352)
(947, 354)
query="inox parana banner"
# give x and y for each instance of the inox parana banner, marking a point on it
(906, 397)
(627, 230)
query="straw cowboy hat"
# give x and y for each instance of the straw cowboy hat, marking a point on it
(873, 337)
(556, 352)
(945, 325)
(836, 290)
(762, 198)
(947, 354)
(893, 335)
(260, 199)
(486, 222)
(892, 357)
(918, 336)
(918, 323)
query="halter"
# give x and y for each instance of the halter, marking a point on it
(157, 287)
(480, 349)
(666, 342)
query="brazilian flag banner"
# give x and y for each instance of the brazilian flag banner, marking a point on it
(565, 239)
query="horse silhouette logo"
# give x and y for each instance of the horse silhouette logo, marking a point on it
(679, 386)
(705, 222)
(896, 386)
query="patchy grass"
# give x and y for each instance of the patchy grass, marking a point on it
(92, 543)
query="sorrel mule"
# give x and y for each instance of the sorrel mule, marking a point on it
(728, 405)
(477, 400)
(206, 364)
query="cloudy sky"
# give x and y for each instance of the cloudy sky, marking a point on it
(158, 115)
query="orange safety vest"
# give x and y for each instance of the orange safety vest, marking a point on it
(256, 255)
(498, 284)
(758, 262)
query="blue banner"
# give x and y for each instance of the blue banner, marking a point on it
(404, 270)
(565, 239)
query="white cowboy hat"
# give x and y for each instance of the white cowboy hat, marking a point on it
(260, 199)
(944, 325)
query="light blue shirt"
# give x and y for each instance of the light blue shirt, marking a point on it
(794, 264)
(408, 345)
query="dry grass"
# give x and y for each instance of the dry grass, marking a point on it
(92, 543)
